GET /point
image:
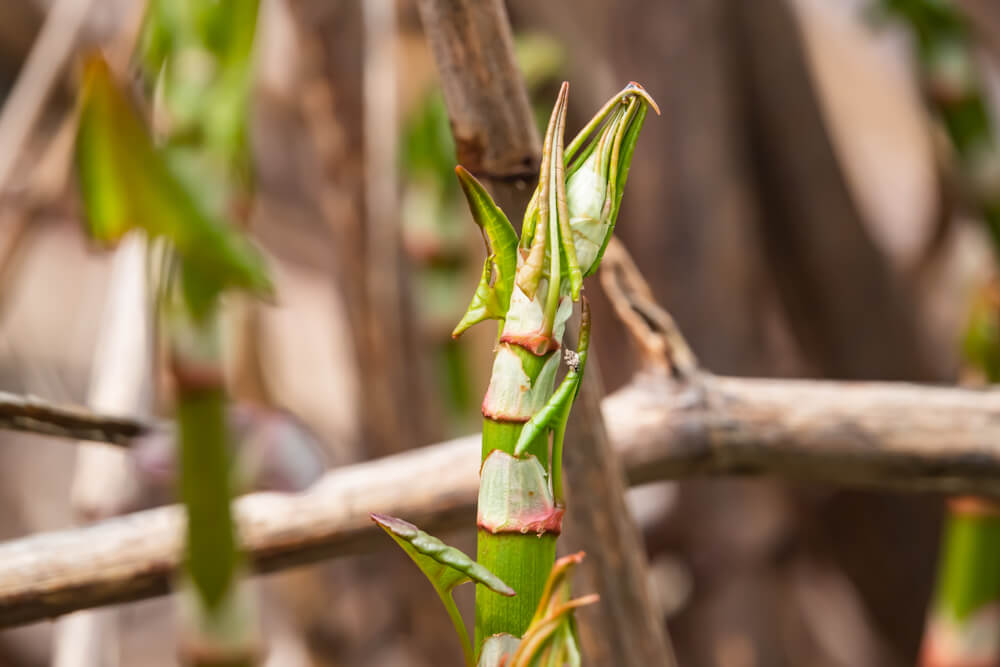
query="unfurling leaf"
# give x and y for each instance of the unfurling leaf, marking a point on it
(446, 567)
(550, 640)
(492, 297)
(555, 414)
(540, 233)
(595, 180)
(127, 183)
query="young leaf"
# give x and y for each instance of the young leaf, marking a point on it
(498, 231)
(625, 147)
(485, 302)
(108, 127)
(596, 179)
(446, 567)
(555, 414)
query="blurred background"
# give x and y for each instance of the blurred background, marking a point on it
(797, 208)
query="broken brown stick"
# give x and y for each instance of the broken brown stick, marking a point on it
(673, 421)
(888, 435)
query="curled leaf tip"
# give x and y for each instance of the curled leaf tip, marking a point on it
(636, 88)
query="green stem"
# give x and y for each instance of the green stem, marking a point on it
(211, 542)
(967, 597)
(218, 618)
(521, 561)
(969, 577)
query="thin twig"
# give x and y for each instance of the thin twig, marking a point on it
(653, 330)
(34, 415)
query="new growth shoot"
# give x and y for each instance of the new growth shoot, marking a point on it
(529, 285)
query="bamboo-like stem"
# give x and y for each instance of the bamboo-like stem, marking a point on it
(524, 559)
(963, 620)
(204, 475)
(30, 414)
(467, 38)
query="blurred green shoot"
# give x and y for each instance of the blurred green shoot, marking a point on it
(962, 627)
(184, 189)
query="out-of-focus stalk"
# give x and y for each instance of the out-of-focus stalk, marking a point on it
(219, 626)
(963, 626)
(963, 629)
(203, 123)
(184, 189)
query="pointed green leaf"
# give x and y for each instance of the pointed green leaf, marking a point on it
(485, 304)
(446, 567)
(498, 230)
(107, 128)
(599, 159)
(555, 414)
(560, 211)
